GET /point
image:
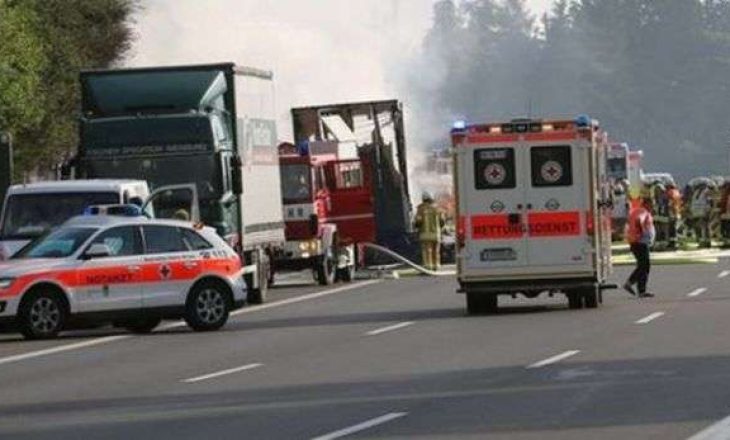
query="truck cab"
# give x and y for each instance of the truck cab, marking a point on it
(328, 208)
(533, 206)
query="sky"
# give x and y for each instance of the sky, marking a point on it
(321, 51)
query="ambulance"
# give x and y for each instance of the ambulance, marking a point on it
(534, 211)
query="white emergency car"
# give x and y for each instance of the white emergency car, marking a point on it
(533, 205)
(130, 271)
(30, 210)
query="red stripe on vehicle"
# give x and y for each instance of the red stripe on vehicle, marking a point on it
(553, 224)
(485, 227)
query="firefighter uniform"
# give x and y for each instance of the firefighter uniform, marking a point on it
(724, 206)
(700, 206)
(429, 221)
(660, 210)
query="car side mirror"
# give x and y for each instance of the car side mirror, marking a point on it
(97, 250)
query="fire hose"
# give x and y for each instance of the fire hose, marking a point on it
(406, 261)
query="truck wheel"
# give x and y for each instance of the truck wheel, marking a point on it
(481, 304)
(591, 297)
(575, 300)
(141, 326)
(257, 295)
(346, 274)
(42, 315)
(326, 269)
(207, 307)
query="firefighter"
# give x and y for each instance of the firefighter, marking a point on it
(640, 235)
(674, 198)
(429, 221)
(725, 214)
(660, 205)
(620, 208)
(700, 207)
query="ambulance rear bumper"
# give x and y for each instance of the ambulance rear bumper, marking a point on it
(508, 287)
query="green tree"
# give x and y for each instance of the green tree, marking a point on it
(64, 37)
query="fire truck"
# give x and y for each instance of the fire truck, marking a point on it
(534, 211)
(344, 182)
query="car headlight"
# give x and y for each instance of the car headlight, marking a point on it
(6, 282)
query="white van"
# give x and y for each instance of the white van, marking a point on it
(30, 210)
(534, 211)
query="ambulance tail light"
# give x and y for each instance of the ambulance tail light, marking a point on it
(461, 233)
(590, 223)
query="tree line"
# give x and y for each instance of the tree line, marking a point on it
(44, 44)
(656, 73)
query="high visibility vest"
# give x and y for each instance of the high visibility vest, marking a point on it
(428, 222)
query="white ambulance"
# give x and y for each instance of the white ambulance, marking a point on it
(534, 211)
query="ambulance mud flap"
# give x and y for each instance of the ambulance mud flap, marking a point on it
(608, 286)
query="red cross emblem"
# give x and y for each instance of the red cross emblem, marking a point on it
(495, 173)
(551, 171)
(165, 271)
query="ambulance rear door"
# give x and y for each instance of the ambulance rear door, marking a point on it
(491, 203)
(557, 205)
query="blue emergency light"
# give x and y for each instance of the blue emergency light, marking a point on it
(583, 121)
(459, 125)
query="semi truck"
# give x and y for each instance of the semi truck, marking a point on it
(212, 126)
(344, 183)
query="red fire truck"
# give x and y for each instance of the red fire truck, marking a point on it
(534, 211)
(328, 208)
(344, 182)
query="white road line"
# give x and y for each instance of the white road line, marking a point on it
(650, 318)
(62, 348)
(222, 373)
(723, 274)
(718, 431)
(554, 359)
(389, 328)
(109, 339)
(361, 426)
(697, 292)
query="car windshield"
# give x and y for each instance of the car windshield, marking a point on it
(60, 243)
(296, 182)
(28, 216)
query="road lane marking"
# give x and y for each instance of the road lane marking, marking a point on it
(718, 431)
(222, 373)
(650, 318)
(361, 426)
(697, 292)
(554, 359)
(62, 348)
(723, 274)
(109, 339)
(390, 328)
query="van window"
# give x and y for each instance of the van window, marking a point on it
(494, 168)
(551, 166)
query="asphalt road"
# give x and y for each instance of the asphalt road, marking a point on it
(392, 359)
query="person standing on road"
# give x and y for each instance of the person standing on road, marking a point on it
(429, 221)
(640, 235)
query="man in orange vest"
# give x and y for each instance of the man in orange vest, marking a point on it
(640, 235)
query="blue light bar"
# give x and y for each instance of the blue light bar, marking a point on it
(459, 125)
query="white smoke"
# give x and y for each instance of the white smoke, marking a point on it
(321, 51)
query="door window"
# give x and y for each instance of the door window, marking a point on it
(551, 166)
(163, 239)
(122, 241)
(194, 241)
(494, 168)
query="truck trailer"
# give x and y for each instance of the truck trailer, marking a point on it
(210, 125)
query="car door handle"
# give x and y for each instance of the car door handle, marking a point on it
(133, 268)
(190, 264)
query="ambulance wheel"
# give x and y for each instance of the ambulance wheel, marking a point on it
(142, 325)
(326, 269)
(591, 297)
(481, 304)
(208, 306)
(575, 300)
(42, 315)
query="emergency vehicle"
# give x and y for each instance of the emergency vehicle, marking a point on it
(328, 208)
(533, 206)
(29, 210)
(130, 271)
